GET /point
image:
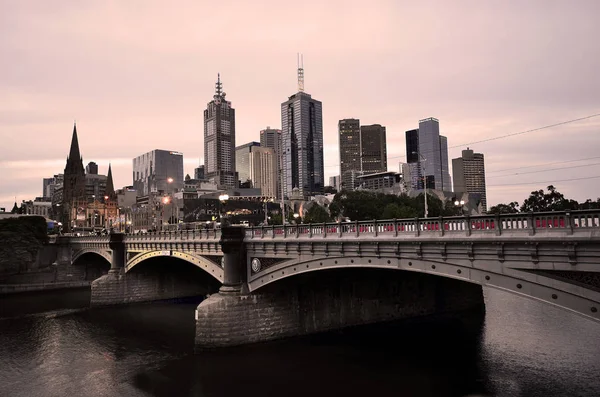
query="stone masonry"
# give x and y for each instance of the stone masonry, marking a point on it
(328, 300)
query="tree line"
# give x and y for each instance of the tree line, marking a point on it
(540, 201)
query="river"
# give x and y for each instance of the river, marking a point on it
(524, 348)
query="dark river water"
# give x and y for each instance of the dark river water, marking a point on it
(524, 348)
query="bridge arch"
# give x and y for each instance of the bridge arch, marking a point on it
(104, 254)
(562, 294)
(207, 265)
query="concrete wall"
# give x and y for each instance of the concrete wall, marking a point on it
(152, 283)
(329, 300)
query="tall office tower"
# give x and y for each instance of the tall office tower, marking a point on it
(302, 140)
(411, 171)
(242, 160)
(469, 175)
(434, 148)
(219, 139)
(47, 187)
(257, 165)
(349, 140)
(73, 183)
(373, 149)
(158, 170)
(334, 182)
(199, 172)
(91, 168)
(271, 138)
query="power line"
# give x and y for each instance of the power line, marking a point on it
(543, 164)
(528, 131)
(547, 170)
(501, 136)
(544, 182)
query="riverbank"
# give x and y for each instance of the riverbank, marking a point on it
(8, 289)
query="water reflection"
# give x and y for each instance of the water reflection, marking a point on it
(524, 348)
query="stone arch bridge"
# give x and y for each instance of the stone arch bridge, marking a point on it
(553, 257)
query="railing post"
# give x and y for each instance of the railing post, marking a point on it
(467, 221)
(532, 224)
(498, 225)
(441, 223)
(395, 227)
(340, 228)
(324, 229)
(310, 230)
(356, 225)
(297, 230)
(417, 231)
(375, 231)
(569, 223)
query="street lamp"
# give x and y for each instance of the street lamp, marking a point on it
(460, 204)
(165, 201)
(421, 161)
(105, 213)
(223, 199)
(296, 216)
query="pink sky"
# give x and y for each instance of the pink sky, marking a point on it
(136, 75)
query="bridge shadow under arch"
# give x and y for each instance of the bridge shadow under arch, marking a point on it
(525, 284)
(171, 276)
(208, 266)
(90, 265)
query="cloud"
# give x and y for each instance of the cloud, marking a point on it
(137, 75)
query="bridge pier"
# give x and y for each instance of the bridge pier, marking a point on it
(323, 301)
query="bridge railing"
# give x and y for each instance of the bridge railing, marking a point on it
(531, 223)
(175, 235)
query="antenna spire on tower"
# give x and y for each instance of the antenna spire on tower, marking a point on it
(300, 73)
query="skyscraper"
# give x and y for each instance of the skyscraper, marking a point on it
(373, 149)
(469, 175)
(271, 138)
(242, 160)
(350, 154)
(302, 139)
(434, 148)
(219, 139)
(411, 172)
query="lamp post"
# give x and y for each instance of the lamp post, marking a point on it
(223, 199)
(105, 213)
(421, 161)
(165, 201)
(296, 216)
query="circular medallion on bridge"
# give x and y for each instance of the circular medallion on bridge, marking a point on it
(255, 265)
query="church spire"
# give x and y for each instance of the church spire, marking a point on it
(74, 153)
(110, 187)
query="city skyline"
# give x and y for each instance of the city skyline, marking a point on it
(504, 77)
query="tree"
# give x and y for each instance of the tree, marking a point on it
(510, 208)
(316, 214)
(539, 201)
(395, 211)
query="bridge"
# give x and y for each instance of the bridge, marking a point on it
(288, 280)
